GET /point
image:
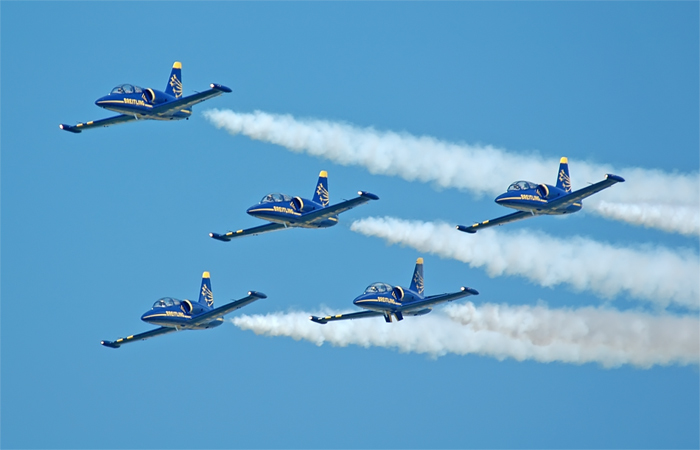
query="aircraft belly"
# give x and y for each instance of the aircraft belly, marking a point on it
(520, 206)
(212, 324)
(378, 307)
(276, 219)
(171, 323)
(129, 111)
(322, 224)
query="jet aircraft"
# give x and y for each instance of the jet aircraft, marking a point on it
(381, 299)
(284, 211)
(135, 103)
(175, 315)
(532, 199)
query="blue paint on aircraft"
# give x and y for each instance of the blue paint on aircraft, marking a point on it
(284, 211)
(532, 199)
(382, 299)
(136, 103)
(174, 315)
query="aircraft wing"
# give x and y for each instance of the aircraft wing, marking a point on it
(190, 100)
(255, 230)
(349, 316)
(138, 337)
(442, 298)
(230, 307)
(520, 215)
(330, 211)
(579, 195)
(122, 118)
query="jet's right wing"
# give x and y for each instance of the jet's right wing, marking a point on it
(520, 215)
(138, 337)
(122, 118)
(330, 211)
(227, 308)
(580, 194)
(442, 298)
(226, 237)
(190, 100)
(349, 316)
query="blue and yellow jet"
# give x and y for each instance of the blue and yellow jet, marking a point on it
(175, 315)
(135, 103)
(284, 211)
(543, 199)
(381, 299)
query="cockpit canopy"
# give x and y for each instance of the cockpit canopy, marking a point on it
(276, 198)
(378, 288)
(165, 302)
(126, 89)
(522, 186)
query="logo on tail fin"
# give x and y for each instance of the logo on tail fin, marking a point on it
(207, 295)
(564, 180)
(418, 282)
(322, 194)
(176, 85)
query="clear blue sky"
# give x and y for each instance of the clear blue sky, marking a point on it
(97, 226)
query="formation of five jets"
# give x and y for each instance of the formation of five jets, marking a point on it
(283, 211)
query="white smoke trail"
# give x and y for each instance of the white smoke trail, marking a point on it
(608, 337)
(651, 273)
(479, 169)
(672, 218)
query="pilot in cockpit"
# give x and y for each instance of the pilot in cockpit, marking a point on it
(165, 302)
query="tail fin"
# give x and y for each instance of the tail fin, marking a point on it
(321, 193)
(206, 296)
(174, 86)
(563, 178)
(417, 280)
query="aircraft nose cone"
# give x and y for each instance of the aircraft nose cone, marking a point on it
(101, 101)
(358, 301)
(145, 315)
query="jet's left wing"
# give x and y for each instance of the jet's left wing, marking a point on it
(190, 100)
(442, 298)
(520, 215)
(226, 237)
(138, 337)
(579, 195)
(230, 307)
(122, 118)
(330, 211)
(349, 316)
